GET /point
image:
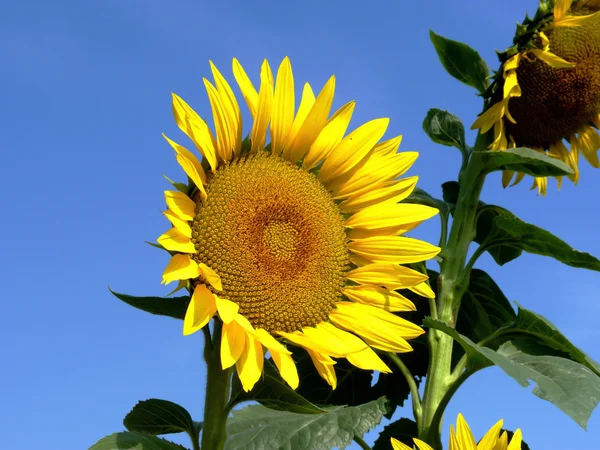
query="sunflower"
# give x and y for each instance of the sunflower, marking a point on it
(298, 241)
(548, 88)
(463, 439)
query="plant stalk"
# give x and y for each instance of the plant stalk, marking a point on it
(218, 389)
(454, 281)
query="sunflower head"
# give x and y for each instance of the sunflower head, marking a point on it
(546, 94)
(296, 241)
(463, 439)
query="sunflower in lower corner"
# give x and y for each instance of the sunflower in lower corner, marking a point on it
(547, 90)
(298, 241)
(462, 439)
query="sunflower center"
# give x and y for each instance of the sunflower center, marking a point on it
(277, 240)
(556, 103)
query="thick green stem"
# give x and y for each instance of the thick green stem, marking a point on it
(218, 383)
(453, 283)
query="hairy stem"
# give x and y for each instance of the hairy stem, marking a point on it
(414, 390)
(217, 394)
(361, 442)
(453, 283)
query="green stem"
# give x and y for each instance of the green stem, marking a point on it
(196, 442)
(453, 387)
(361, 443)
(453, 283)
(217, 394)
(414, 390)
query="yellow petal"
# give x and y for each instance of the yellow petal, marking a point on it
(454, 444)
(196, 172)
(376, 170)
(391, 276)
(378, 328)
(227, 309)
(330, 136)
(250, 364)
(263, 113)
(379, 297)
(393, 249)
(561, 7)
(313, 124)
(518, 178)
(231, 106)
(233, 342)
(421, 445)
(488, 441)
(306, 103)
(246, 86)
(352, 149)
(387, 191)
(588, 142)
(367, 359)
(182, 225)
(210, 276)
(488, 118)
(324, 365)
(201, 309)
(387, 215)
(397, 445)
(463, 434)
(423, 289)
(507, 176)
(327, 339)
(552, 60)
(515, 442)
(180, 267)
(387, 148)
(281, 357)
(224, 125)
(283, 106)
(181, 205)
(385, 231)
(173, 240)
(502, 442)
(195, 128)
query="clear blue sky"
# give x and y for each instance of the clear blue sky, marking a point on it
(86, 94)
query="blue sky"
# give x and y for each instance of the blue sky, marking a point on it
(86, 96)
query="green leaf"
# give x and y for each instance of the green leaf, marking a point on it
(257, 427)
(450, 191)
(536, 326)
(461, 61)
(526, 160)
(536, 240)
(484, 308)
(134, 441)
(403, 429)
(162, 306)
(271, 391)
(155, 416)
(487, 231)
(420, 197)
(445, 128)
(571, 386)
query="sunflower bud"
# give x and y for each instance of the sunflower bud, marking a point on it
(547, 89)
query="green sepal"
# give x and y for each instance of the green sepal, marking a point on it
(175, 307)
(461, 61)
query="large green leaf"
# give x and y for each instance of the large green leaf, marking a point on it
(163, 306)
(526, 160)
(134, 441)
(503, 249)
(272, 392)
(484, 308)
(571, 386)
(536, 240)
(461, 61)
(403, 429)
(155, 416)
(445, 128)
(257, 427)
